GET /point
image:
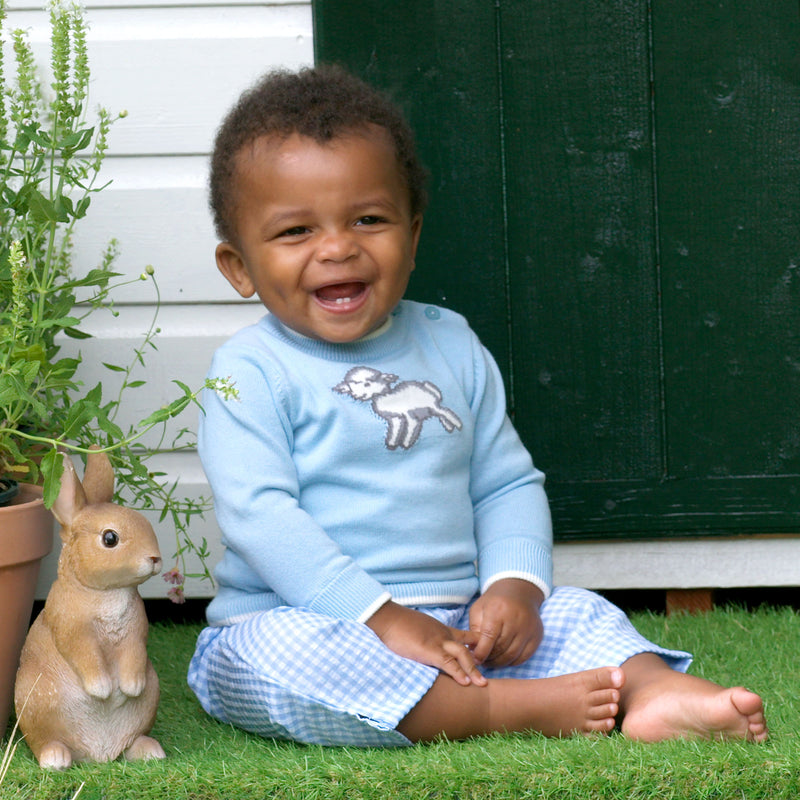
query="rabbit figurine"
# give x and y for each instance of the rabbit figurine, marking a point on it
(85, 688)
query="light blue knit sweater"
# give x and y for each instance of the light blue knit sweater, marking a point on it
(346, 474)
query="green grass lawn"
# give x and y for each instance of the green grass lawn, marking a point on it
(208, 760)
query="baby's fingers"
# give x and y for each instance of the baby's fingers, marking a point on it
(506, 653)
(486, 643)
(470, 639)
(459, 663)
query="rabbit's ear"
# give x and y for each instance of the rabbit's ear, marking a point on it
(71, 498)
(98, 480)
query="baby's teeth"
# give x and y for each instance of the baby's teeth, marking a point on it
(340, 300)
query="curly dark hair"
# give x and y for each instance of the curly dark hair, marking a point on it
(320, 102)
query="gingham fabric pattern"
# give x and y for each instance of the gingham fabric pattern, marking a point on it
(290, 673)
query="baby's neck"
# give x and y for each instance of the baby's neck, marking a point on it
(373, 335)
(378, 331)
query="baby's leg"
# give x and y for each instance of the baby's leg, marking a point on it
(582, 702)
(658, 703)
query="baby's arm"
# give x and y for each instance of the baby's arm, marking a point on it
(512, 529)
(417, 636)
(272, 544)
(506, 618)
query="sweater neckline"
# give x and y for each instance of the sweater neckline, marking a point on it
(377, 345)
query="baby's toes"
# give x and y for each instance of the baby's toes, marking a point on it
(604, 711)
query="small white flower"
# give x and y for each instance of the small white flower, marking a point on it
(224, 387)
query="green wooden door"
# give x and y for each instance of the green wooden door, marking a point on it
(616, 209)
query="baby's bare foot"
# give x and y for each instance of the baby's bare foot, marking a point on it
(683, 705)
(582, 702)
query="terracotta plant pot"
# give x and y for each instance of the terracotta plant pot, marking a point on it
(26, 536)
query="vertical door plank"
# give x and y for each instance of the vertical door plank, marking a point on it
(728, 125)
(584, 283)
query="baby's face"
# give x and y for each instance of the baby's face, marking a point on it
(325, 234)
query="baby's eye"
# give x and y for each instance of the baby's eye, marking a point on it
(297, 230)
(369, 219)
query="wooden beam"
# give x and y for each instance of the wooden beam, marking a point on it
(689, 601)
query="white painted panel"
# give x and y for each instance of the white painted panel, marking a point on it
(679, 563)
(147, 4)
(157, 209)
(176, 70)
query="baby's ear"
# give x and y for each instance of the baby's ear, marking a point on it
(416, 230)
(231, 264)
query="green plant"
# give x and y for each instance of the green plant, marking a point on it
(50, 169)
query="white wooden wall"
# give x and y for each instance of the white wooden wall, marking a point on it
(176, 68)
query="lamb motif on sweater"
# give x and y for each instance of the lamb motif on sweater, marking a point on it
(404, 406)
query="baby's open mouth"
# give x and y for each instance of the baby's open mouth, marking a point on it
(341, 294)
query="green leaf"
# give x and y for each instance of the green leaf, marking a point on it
(77, 140)
(52, 467)
(78, 417)
(33, 133)
(8, 394)
(64, 207)
(109, 427)
(13, 455)
(34, 354)
(113, 367)
(166, 412)
(44, 210)
(65, 367)
(75, 333)
(63, 322)
(95, 277)
(18, 389)
(161, 415)
(176, 406)
(82, 207)
(96, 394)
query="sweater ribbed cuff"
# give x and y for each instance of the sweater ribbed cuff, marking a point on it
(373, 608)
(519, 556)
(522, 576)
(350, 595)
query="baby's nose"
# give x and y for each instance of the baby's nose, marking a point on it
(337, 246)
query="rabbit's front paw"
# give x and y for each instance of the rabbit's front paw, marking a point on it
(132, 685)
(99, 686)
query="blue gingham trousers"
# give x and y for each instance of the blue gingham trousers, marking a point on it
(290, 673)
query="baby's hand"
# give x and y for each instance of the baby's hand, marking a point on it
(417, 636)
(506, 617)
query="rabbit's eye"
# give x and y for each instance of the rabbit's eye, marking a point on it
(110, 538)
